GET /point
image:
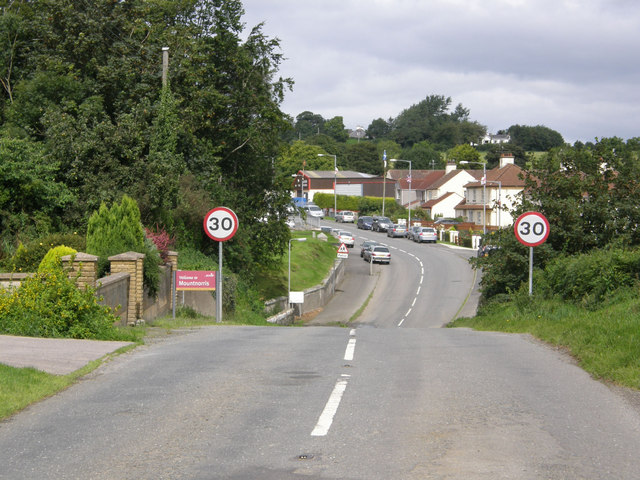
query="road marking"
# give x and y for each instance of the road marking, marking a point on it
(418, 292)
(330, 409)
(402, 321)
(352, 332)
(351, 347)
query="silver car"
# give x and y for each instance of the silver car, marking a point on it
(396, 231)
(426, 234)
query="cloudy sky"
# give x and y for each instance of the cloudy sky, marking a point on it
(571, 65)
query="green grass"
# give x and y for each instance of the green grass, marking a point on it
(311, 262)
(605, 342)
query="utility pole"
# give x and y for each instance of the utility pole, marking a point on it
(165, 65)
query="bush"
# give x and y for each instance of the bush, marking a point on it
(28, 257)
(589, 278)
(118, 229)
(52, 262)
(50, 305)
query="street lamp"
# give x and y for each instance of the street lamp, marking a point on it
(499, 201)
(301, 239)
(410, 180)
(335, 180)
(484, 193)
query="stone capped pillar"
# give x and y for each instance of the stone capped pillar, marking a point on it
(81, 268)
(172, 259)
(131, 263)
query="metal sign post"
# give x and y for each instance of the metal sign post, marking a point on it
(220, 224)
(531, 229)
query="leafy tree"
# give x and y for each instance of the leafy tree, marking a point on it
(379, 128)
(31, 200)
(392, 148)
(362, 157)
(463, 152)
(538, 138)
(301, 156)
(424, 156)
(334, 128)
(308, 124)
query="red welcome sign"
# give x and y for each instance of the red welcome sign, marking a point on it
(195, 280)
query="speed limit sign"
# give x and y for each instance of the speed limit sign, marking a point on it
(531, 229)
(220, 224)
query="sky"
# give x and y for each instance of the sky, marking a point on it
(570, 65)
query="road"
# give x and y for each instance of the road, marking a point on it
(381, 400)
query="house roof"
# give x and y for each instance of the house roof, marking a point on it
(508, 176)
(397, 174)
(339, 174)
(434, 201)
(420, 183)
(448, 176)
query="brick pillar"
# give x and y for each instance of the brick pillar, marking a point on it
(81, 268)
(172, 259)
(131, 263)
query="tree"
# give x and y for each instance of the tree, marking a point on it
(424, 156)
(362, 157)
(308, 124)
(334, 128)
(379, 128)
(463, 152)
(302, 156)
(538, 138)
(31, 200)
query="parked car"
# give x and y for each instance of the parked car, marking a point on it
(412, 231)
(377, 253)
(396, 230)
(446, 221)
(346, 238)
(364, 223)
(425, 234)
(366, 244)
(346, 216)
(381, 224)
(314, 211)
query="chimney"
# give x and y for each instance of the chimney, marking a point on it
(506, 159)
(451, 166)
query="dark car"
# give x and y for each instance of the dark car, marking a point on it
(365, 245)
(446, 221)
(364, 223)
(380, 224)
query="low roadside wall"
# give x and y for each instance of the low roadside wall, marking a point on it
(113, 291)
(314, 297)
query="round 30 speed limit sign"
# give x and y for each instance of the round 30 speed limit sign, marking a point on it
(221, 224)
(531, 229)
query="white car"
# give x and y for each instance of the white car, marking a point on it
(346, 238)
(314, 211)
(346, 216)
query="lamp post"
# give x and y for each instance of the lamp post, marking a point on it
(335, 180)
(499, 201)
(484, 193)
(410, 180)
(301, 239)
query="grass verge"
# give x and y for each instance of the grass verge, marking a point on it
(605, 341)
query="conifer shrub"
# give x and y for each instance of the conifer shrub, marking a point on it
(119, 229)
(52, 260)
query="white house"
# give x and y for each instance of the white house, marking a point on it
(503, 189)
